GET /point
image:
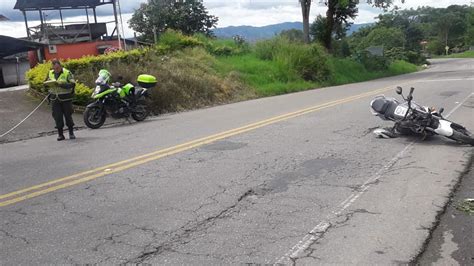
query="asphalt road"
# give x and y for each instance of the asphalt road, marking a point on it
(297, 178)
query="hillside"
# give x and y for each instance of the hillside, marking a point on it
(253, 34)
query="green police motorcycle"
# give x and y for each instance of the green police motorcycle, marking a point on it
(117, 100)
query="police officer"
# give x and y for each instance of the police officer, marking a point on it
(61, 88)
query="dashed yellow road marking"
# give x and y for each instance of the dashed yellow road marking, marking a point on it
(68, 181)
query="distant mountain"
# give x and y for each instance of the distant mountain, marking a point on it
(252, 34)
(356, 27)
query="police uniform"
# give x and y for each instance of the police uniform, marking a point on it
(61, 95)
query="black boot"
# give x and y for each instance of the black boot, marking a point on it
(60, 135)
(71, 133)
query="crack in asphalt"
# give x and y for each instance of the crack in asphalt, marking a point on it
(319, 235)
(185, 232)
(213, 198)
(114, 239)
(9, 235)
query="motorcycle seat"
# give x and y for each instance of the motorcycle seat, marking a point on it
(384, 106)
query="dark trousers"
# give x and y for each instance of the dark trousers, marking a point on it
(61, 109)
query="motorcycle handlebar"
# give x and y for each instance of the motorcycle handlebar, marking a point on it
(410, 95)
(409, 98)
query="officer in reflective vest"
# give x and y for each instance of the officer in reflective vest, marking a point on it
(61, 85)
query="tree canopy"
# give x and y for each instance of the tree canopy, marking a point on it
(427, 28)
(337, 14)
(187, 16)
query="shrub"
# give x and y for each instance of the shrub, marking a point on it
(37, 75)
(397, 53)
(436, 47)
(103, 61)
(416, 58)
(82, 94)
(264, 49)
(309, 61)
(401, 54)
(223, 51)
(175, 40)
(399, 67)
(227, 47)
(373, 62)
(239, 40)
(84, 69)
(341, 48)
(186, 80)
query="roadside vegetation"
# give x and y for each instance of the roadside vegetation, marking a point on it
(196, 70)
(424, 31)
(466, 54)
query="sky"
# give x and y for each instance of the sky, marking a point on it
(229, 12)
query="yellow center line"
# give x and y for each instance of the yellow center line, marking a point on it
(68, 181)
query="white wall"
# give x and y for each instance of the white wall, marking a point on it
(10, 73)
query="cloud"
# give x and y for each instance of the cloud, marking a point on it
(258, 12)
(230, 13)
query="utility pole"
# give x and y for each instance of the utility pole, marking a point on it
(117, 24)
(121, 25)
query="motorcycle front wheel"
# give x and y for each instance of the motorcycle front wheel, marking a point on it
(462, 136)
(94, 117)
(140, 112)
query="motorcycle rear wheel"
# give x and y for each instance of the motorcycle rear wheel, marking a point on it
(462, 136)
(141, 112)
(93, 117)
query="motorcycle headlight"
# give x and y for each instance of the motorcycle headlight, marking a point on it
(96, 91)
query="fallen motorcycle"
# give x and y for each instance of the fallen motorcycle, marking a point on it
(412, 117)
(117, 100)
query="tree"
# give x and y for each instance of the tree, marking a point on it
(305, 8)
(187, 16)
(410, 22)
(469, 36)
(451, 26)
(318, 29)
(389, 38)
(337, 15)
(338, 11)
(293, 35)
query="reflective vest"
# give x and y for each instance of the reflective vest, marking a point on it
(64, 77)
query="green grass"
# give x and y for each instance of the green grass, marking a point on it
(466, 206)
(266, 77)
(271, 78)
(467, 54)
(348, 71)
(399, 67)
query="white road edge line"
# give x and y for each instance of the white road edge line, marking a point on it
(459, 105)
(323, 226)
(441, 80)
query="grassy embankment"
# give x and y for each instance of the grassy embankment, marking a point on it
(196, 71)
(277, 66)
(467, 54)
